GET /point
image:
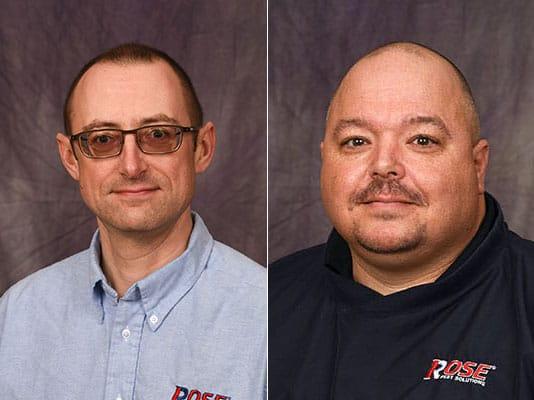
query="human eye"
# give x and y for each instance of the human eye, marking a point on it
(354, 142)
(424, 141)
(158, 133)
(102, 138)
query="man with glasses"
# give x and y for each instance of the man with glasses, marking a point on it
(155, 308)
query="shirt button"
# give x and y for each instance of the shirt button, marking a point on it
(125, 335)
(153, 319)
(119, 397)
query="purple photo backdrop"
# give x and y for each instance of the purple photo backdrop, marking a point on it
(313, 42)
(43, 44)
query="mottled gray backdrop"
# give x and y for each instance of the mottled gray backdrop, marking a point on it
(222, 45)
(313, 42)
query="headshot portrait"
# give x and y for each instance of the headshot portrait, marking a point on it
(135, 239)
(307, 60)
(401, 265)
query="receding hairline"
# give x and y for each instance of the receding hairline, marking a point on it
(423, 51)
(119, 64)
(131, 54)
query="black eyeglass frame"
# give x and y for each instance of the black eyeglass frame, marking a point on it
(183, 129)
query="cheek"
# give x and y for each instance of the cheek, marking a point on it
(440, 177)
(340, 179)
(450, 181)
(451, 192)
(97, 178)
(90, 182)
(181, 177)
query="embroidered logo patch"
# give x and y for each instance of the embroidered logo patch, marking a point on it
(183, 393)
(459, 371)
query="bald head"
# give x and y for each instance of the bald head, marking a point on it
(400, 64)
(402, 175)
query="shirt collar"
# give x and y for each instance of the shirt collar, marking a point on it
(160, 291)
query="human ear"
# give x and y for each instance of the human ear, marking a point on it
(205, 147)
(480, 158)
(67, 156)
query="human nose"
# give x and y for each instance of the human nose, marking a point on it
(387, 160)
(132, 160)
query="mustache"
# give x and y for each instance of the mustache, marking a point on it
(390, 187)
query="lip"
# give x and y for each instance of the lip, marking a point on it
(388, 200)
(388, 205)
(135, 191)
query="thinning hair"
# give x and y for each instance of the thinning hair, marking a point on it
(421, 50)
(132, 53)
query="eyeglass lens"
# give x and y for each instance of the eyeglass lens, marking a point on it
(156, 139)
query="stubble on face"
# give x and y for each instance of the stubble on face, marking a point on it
(159, 211)
(128, 96)
(379, 244)
(381, 93)
(379, 241)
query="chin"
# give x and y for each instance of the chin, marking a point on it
(388, 241)
(135, 222)
(393, 247)
(145, 218)
(135, 226)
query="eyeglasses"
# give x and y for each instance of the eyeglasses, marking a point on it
(152, 139)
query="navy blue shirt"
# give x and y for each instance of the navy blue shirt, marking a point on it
(468, 335)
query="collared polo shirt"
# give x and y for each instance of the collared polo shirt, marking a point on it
(193, 330)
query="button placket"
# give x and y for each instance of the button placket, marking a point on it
(124, 350)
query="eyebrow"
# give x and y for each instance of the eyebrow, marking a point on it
(412, 120)
(428, 120)
(98, 124)
(157, 118)
(352, 123)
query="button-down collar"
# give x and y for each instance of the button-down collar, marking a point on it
(160, 291)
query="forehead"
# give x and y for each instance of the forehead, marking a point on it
(127, 93)
(388, 87)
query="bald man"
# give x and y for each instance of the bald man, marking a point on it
(421, 291)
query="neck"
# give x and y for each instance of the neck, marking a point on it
(128, 257)
(387, 280)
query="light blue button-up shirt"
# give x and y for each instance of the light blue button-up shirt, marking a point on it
(193, 330)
